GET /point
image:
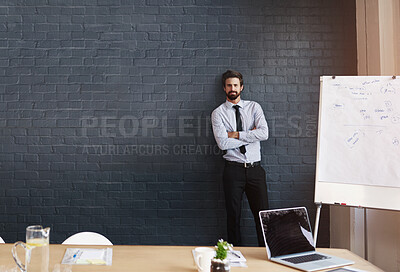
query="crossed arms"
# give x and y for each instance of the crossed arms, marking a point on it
(228, 139)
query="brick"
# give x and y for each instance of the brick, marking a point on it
(17, 192)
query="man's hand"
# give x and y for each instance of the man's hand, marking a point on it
(233, 134)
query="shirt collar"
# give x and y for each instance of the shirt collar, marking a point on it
(229, 105)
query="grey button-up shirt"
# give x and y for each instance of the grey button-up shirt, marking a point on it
(255, 129)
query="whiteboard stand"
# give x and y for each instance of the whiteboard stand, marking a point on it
(365, 235)
(364, 226)
(318, 215)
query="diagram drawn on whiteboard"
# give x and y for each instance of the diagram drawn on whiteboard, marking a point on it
(359, 141)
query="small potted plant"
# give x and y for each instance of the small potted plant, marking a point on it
(220, 263)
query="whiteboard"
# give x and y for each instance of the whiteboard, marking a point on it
(358, 152)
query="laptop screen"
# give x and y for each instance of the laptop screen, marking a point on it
(287, 231)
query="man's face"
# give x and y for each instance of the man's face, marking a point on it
(233, 88)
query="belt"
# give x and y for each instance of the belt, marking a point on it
(245, 165)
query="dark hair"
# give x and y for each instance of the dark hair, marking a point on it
(230, 74)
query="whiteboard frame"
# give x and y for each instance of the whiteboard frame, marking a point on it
(355, 195)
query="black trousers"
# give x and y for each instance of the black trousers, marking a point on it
(252, 181)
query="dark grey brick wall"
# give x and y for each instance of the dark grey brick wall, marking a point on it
(105, 105)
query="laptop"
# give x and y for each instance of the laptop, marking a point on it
(289, 241)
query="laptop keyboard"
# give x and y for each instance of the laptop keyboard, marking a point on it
(306, 258)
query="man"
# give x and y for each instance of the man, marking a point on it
(238, 127)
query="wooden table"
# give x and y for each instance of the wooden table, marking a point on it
(172, 258)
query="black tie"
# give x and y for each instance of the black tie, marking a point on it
(239, 127)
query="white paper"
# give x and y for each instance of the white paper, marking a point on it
(360, 131)
(235, 257)
(94, 256)
(347, 269)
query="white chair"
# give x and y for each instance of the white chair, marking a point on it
(87, 238)
(1, 241)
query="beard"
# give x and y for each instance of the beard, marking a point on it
(233, 95)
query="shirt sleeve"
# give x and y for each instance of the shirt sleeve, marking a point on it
(260, 133)
(221, 133)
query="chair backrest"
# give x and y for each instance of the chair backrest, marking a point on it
(1, 241)
(87, 238)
